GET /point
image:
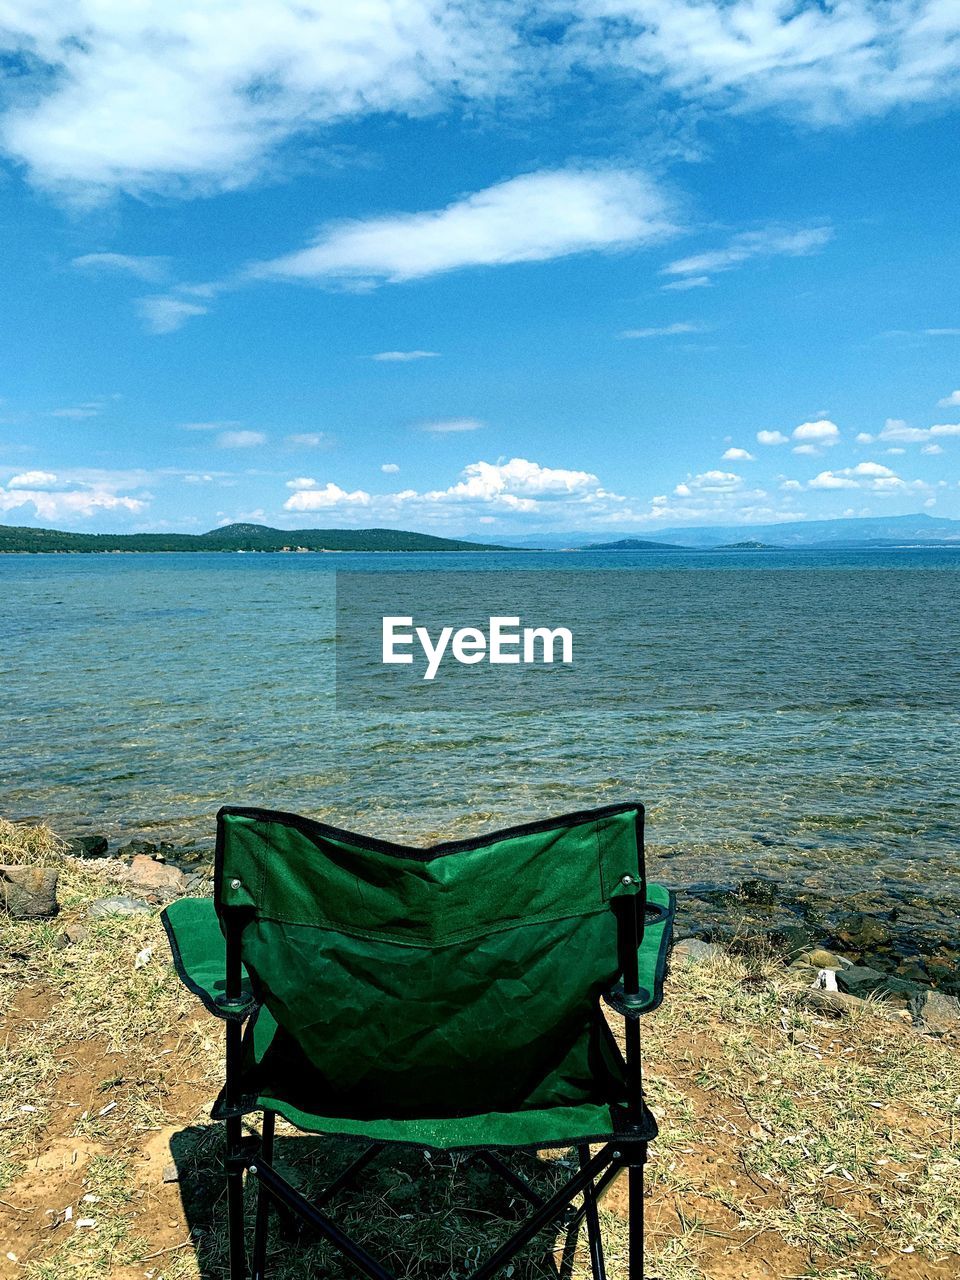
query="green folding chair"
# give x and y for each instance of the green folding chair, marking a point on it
(447, 997)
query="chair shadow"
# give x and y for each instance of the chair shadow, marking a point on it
(433, 1213)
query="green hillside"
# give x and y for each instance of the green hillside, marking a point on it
(232, 537)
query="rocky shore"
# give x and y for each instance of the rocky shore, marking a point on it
(850, 951)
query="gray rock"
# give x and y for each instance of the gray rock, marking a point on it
(171, 1173)
(28, 893)
(117, 906)
(130, 850)
(859, 980)
(835, 1002)
(73, 933)
(695, 951)
(935, 1011)
(88, 846)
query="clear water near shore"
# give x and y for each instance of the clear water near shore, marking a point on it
(142, 692)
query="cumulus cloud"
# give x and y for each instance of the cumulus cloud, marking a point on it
(895, 429)
(738, 455)
(949, 402)
(68, 496)
(314, 498)
(664, 331)
(771, 437)
(484, 490)
(403, 357)
(139, 266)
(164, 313)
(389, 468)
(865, 475)
(709, 482)
(531, 218)
(770, 242)
(823, 432)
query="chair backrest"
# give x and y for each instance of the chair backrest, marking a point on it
(458, 979)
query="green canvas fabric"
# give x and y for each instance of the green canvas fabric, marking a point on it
(448, 997)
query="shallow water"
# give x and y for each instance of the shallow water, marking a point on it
(141, 692)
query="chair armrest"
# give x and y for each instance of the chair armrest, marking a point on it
(660, 907)
(200, 957)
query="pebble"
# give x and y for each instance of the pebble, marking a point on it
(120, 905)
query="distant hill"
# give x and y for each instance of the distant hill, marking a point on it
(631, 544)
(232, 537)
(848, 531)
(749, 545)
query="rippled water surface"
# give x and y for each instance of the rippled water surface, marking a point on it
(142, 692)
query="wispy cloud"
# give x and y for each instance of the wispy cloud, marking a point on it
(765, 243)
(164, 313)
(241, 439)
(531, 218)
(900, 432)
(89, 410)
(451, 426)
(310, 440)
(663, 331)
(142, 268)
(113, 97)
(403, 357)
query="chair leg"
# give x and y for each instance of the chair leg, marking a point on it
(263, 1202)
(635, 1210)
(238, 1261)
(593, 1222)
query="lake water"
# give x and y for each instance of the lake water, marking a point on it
(141, 692)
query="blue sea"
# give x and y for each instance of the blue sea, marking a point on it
(141, 692)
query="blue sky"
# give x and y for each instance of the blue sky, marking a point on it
(606, 264)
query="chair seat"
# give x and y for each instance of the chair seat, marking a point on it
(276, 1076)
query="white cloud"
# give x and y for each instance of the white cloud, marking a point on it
(738, 455)
(770, 242)
(240, 439)
(831, 480)
(331, 495)
(73, 495)
(32, 480)
(709, 482)
(810, 450)
(142, 267)
(532, 218)
(452, 426)
(310, 440)
(870, 475)
(302, 482)
(826, 64)
(950, 401)
(403, 357)
(771, 437)
(162, 313)
(664, 331)
(864, 437)
(932, 448)
(791, 486)
(389, 468)
(690, 282)
(897, 430)
(191, 97)
(823, 431)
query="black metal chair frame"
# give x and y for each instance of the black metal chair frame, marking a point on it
(627, 1150)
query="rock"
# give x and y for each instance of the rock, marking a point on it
(791, 940)
(764, 892)
(117, 906)
(88, 846)
(934, 1011)
(860, 980)
(820, 958)
(835, 1002)
(863, 933)
(29, 893)
(695, 951)
(155, 877)
(73, 933)
(130, 850)
(171, 1173)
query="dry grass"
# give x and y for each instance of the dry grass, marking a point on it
(37, 845)
(791, 1144)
